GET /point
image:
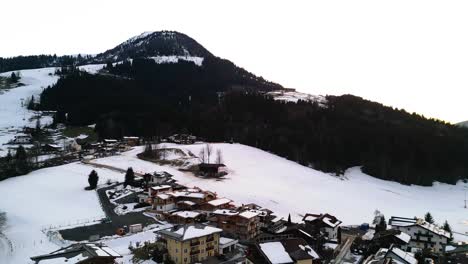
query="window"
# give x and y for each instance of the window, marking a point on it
(185, 259)
(176, 251)
(185, 250)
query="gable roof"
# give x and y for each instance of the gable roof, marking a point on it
(77, 253)
(187, 232)
(409, 222)
(327, 219)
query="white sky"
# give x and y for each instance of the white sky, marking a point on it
(407, 54)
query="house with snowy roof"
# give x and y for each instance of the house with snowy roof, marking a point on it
(386, 238)
(322, 223)
(423, 235)
(220, 203)
(83, 253)
(390, 256)
(191, 243)
(293, 250)
(183, 217)
(240, 224)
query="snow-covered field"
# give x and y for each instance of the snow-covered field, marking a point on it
(286, 187)
(47, 197)
(14, 115)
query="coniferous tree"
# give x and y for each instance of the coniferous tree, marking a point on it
(93, 179)
(129, 177)
(22, 165)
(447, 228)
(14, 78)
(428, 218)
(289, 219)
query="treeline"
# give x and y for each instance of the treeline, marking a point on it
(39, 61)
(155, 100)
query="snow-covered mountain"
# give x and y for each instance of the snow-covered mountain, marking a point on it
(155, 44)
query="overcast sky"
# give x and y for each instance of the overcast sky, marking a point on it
(407, 54)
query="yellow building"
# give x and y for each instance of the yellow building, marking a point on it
(191, 243)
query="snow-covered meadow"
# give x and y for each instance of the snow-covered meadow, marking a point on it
(48, 197)
(13, 112)
(286, 187)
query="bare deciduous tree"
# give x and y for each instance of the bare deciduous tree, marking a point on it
(219, 156)
(202, 156)
(208, 150)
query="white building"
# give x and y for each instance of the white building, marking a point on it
(423, 234)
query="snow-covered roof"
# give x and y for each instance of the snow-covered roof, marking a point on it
(407, 222)
(163, 196)
(275, 252)
(189, 232)
(220, 201)
(187, 203)
(198, 195)
(310, 251)
(225, 212)
(406, 256)
(404, 237)
(186, 214)
(160, 187)
(332, 222)
(249, 214)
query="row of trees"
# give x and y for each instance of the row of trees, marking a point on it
(205, 154)
(17, 164)
(93, 179)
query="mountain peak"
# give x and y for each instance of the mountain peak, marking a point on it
(155, 43)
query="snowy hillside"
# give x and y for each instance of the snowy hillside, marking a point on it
(13, 112)
(287, 187)
(52, 196)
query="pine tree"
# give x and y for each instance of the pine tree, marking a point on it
(447, 228)
(289, 219)
(14, 78)
(428, 217)
(129, 177)
(22, 165)
(93, 179)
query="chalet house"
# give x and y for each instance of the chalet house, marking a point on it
(221, 203)
(243, 225)
(212, 170)
(385, 239)
(292, 250)
(391, 255)
(182, 139)
(110, 143)
(184, 217)
(191, 243)
(325, 223)
(165, 199)
(83, 253)
(50, 148)
(159, 178)
(423, 234)
(163, 202)
(186, 205)
(154, 190)
(131, 141)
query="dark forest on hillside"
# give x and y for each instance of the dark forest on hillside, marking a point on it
(154, 100)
